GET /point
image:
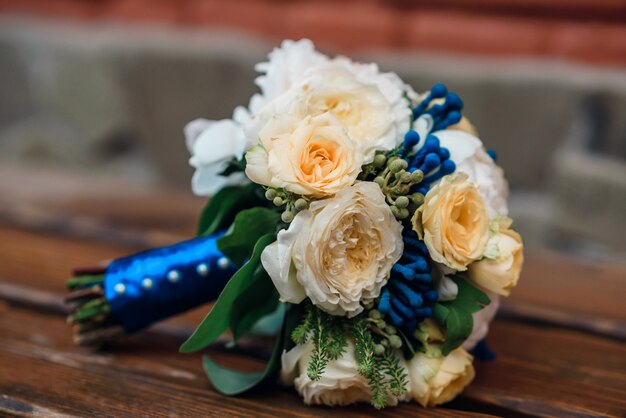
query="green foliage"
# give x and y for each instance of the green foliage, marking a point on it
(233, 382)
(327, 334)
(218, 319)
(456, 315)
(248, 227)
(252, 304)
(234, 166)
(398, 379)
(300, 334)
(222, 208)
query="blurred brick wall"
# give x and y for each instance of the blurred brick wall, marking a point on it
(589, 31)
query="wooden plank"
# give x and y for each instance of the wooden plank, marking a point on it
(143, 376)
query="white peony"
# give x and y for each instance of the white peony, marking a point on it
(212, 145)
(470, 157)
(370, 104)
(482, 319)
(339, 252)
(286, 65)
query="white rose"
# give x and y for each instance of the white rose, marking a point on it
(482, 319)
(434, 380)
(340, 384)
(370, 104)
(470, 157)
(339, 252)
(311, 156)
(212, 145)
(286, 65)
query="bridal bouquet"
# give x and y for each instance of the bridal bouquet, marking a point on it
(369, 219)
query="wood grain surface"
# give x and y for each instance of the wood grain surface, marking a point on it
(560, 339)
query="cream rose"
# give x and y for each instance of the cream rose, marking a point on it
(470, 157)
(340, 384)
(453, 222)
(435, 380)
(500, 269)
(370, 104)
(339, 252)
(311, 156)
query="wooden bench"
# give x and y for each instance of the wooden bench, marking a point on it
(559, 339)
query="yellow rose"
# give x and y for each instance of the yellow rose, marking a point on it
(312, 156)
(453, 222)
(437, 380)
(500, 269)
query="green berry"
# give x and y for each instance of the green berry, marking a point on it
(405, 176)
(379, 349)
(395, 211)
(375, 314)
(403, 214)
(278, 201)
(397, 165)
(380, 181)
(287, 216)
(381, 324)
(384, 343)
(417, 198)
(270, 194)
(380, 160)
(391, 330)
(417, 176)
(301, 204)
(402, 202)
(395, 341)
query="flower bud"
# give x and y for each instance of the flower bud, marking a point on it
(417, 198)
(417, 176)
(379, 349)
(405, 176)
(375, 314)
(379, 180)
(278, 201)
(286, 216)
(402, 202)
(270, 194)
(301, 204)
(397, 165)
(380, 160)
(391, 330)
(403, 214)
(395, 341)
(395, 211)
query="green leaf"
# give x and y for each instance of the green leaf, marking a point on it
(456, 315)
(249, 225)
(257, 301)
(234, 166)
(218, 319)
(227, 381)
(232, 382)
(225, 204)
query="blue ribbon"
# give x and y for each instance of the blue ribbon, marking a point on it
(144, 288)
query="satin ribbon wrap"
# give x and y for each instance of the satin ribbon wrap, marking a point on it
(144, 288)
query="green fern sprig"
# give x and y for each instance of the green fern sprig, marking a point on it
(339, 342)
(398, 378)
(300, 334)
